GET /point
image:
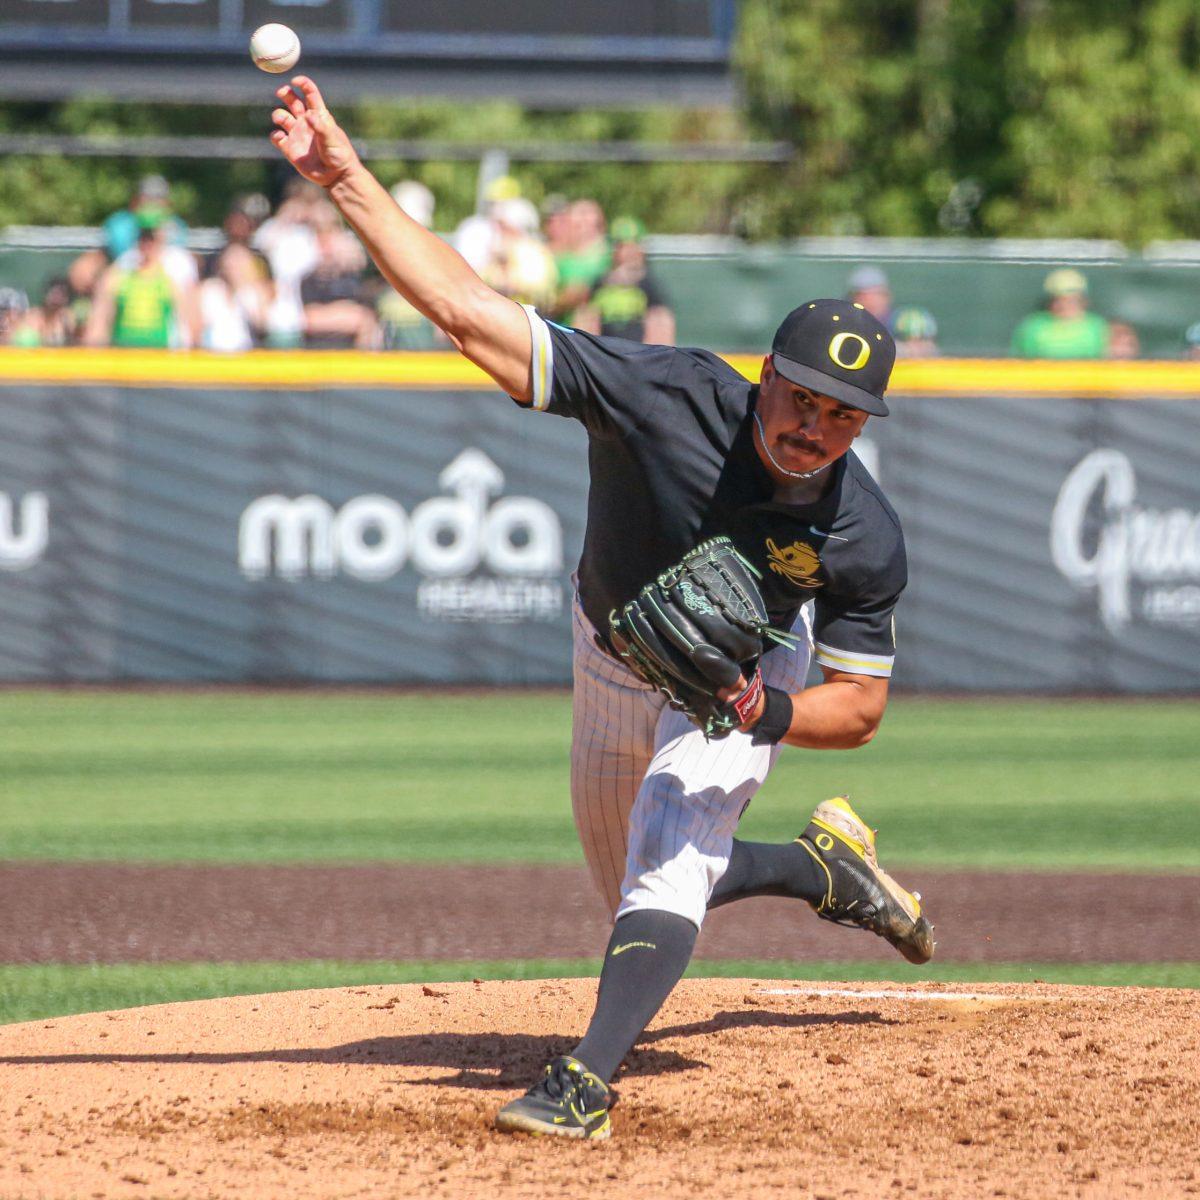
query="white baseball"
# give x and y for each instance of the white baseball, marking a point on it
(274, 48)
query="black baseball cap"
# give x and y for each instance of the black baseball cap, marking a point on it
(838, 349)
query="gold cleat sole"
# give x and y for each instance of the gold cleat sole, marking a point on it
(903, 925)
(523, 1123)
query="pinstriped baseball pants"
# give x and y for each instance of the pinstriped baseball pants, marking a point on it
(655, 805)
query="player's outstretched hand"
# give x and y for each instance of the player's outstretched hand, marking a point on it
(308, 136)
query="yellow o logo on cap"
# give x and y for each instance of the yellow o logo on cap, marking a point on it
(864, 351)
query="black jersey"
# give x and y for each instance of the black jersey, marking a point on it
(672, 461)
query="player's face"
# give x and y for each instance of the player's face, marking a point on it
(804, 430)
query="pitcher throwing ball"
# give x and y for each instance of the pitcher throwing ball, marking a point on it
(718, 510)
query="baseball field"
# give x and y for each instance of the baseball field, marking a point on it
(413, 857)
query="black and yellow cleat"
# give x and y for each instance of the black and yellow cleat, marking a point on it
(860, 892)
(568, 1101)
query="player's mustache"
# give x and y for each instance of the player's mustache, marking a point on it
(801, 442)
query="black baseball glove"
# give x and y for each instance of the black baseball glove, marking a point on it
(696, 630)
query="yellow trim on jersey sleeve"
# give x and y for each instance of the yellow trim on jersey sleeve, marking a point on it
(855, 662)
(542, 360)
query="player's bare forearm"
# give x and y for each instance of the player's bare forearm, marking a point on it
(491, 330)
(842, 713)
(98, 331)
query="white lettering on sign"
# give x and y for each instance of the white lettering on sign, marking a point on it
(484, 599)
(446, 538)
(299, 531)
(1156, 549)
(24, 532)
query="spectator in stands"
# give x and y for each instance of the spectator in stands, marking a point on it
(1065, 328)
(176, 259)
(84, 275)
(556, 224)
(245, 217)
(240, 225)
(915, 331)
(1123, 340)
(339, 311)
(14, 304)
(869, 287)
(153, 196)
(141, 304)
(58, 321)
(234, 301)
(629, 303)
(288, 239)
(1191, 342)
(585, 259)
(520, 266)
(914, 328)
(476, 237)
(402, 327)
(52, 323)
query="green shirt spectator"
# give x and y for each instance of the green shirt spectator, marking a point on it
(145, 309)
(1066, 329)
(142, 305)
(1043, 335)
(584, 268)
(584, 259)
(628, 303)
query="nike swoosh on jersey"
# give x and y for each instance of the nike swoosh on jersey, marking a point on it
(826, 534)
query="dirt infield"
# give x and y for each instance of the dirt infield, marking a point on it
(95, 912)
(741, 1088)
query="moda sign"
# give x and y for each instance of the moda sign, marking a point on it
(1140, 561)
(480, 557)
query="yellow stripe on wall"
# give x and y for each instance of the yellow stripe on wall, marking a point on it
(296, 369)
(968, 377)
(315, 369)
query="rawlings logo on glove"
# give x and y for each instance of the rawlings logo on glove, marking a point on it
(695, 631)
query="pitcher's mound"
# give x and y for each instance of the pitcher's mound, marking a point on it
(742, 1086)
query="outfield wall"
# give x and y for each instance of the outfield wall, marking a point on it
(194, 518)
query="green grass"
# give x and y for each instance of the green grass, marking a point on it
(29, 993)
(324, 776)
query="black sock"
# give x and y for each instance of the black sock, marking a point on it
(646, 957)
(768, 869)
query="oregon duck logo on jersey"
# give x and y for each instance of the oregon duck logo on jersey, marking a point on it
(798, 563)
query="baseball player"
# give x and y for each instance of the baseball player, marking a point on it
(684, 452)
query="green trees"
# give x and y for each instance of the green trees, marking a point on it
(1011, 118)
(1103, 129)
(677, 198)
